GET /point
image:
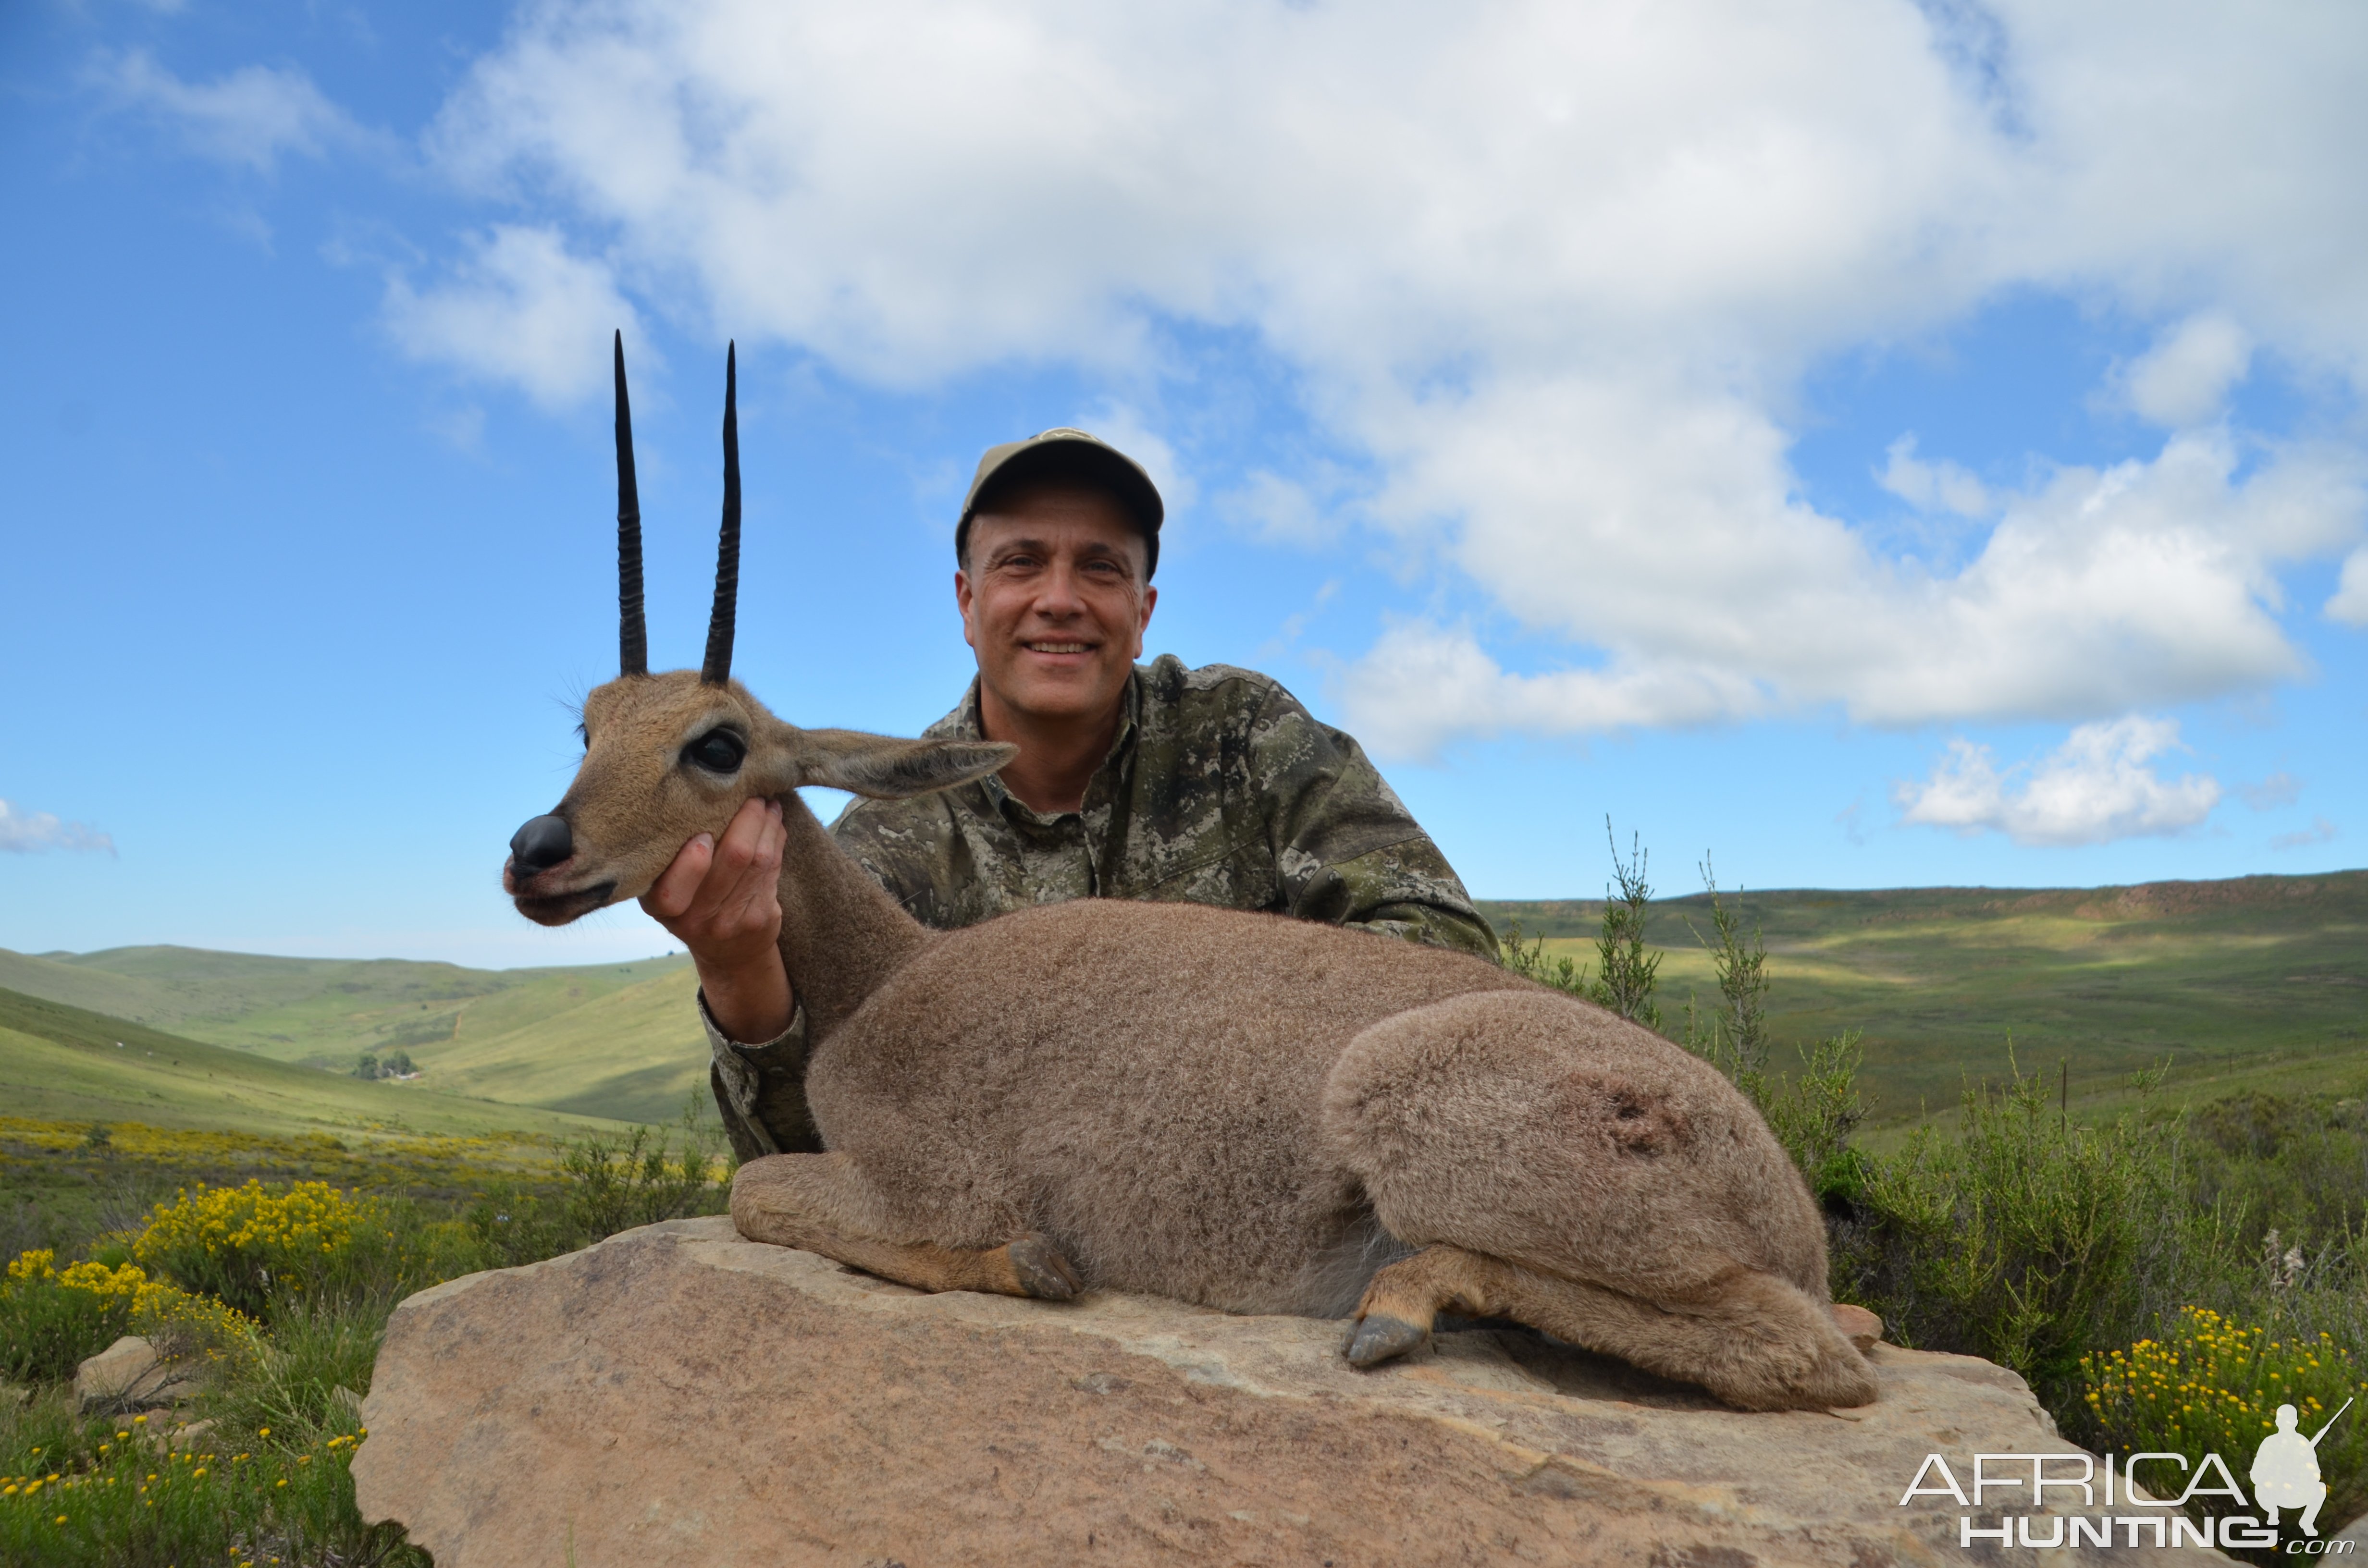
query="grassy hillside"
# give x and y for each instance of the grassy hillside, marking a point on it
(63, 1063)
(605, 1040)
(321, 1011)
(2257, 982)
(635, 1054)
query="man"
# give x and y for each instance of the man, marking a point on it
(1213, 786)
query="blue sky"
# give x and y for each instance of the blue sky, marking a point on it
(1899, 445)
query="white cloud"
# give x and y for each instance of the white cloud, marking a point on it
(27, 833)
(2186, 377)
(1125, 429)
(1555, 271)
(2321, 831)
(250, 116)
(1423, 687)
(2349, 603)
(2097, 787)
(2279, 788)
(1928, 486)
(2097, 592)
(522, 309)
(1280, 510)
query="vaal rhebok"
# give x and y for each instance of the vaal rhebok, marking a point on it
(1256, 1113)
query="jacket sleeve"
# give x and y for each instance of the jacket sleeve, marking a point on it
(1347, 848)
(761, 1090)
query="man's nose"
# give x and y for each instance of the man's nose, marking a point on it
(1059, 594)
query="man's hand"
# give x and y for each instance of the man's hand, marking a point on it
(722, 901)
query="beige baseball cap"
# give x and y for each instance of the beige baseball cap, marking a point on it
(1063, 453)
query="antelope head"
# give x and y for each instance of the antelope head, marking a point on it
(670, 756)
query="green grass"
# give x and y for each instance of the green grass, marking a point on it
(2257, 984)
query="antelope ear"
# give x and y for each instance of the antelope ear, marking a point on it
(890, 770)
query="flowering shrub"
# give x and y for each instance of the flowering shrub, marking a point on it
(52, 1318)
(240, 1243)
(2214, 1386)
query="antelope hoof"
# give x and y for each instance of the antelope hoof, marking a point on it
(1379, 1338)
(1040, 1270)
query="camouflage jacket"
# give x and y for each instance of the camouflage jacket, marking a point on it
(1219, 788)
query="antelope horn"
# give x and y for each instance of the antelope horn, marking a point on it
(633, 632)
(717, 668)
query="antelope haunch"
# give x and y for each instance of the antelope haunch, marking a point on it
(1251, 1112)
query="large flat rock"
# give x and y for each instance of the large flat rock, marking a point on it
(678, 1397)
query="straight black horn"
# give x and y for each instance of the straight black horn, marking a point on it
(633, 632)
(717, 668)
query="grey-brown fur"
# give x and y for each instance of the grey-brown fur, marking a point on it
(1243, 1111)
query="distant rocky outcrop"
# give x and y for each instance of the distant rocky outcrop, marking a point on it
(678, 1397)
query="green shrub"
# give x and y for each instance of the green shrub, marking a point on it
(613, 1185)
(2295, 1163)
(1627, 974)
(47, 1329)
(2031, 1239)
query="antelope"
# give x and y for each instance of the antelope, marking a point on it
(1255, 1113)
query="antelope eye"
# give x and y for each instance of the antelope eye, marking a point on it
(718, 751)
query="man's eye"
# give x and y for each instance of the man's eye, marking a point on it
(718, 751)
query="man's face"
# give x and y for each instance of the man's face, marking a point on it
(1053, 601)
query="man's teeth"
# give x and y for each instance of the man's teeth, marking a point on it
(1056, 647)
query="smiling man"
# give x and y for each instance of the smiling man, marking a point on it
(1210, 785)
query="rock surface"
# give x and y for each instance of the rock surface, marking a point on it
(678, 1397)
(129, 1375)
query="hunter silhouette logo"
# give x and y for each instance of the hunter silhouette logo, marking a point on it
(2285, 1469)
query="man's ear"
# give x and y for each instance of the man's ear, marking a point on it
(890, 770)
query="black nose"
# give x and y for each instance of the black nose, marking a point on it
(541, 844)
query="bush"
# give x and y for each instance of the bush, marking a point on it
(1628, 973)
(48, 1329)
(2295, 1163)
(51, 1319)
(2210, 1385)
(245, 1244)
(2031, 1239)
(639, 1179)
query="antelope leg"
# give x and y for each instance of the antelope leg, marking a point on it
(821, 1203)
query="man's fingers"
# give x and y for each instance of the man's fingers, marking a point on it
(679, 883)
(746, 831)
(753, 898)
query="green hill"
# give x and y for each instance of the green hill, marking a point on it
(65, 1063)
(2261, 981)
(2254, 983)
(617, 1041)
